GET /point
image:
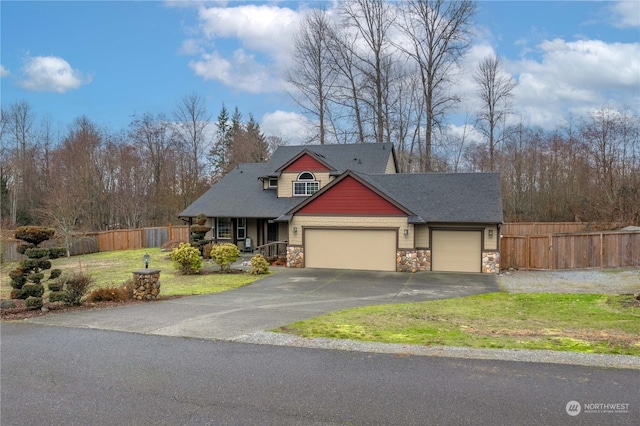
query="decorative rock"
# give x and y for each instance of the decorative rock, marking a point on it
(413, 260)
(295, 257)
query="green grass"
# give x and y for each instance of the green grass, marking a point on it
(562, 322)
(115, 267)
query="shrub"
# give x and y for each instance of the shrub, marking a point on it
(187, 259)
(33, 302)
(56, 285)
(56, 296)
(201, 219)
(170, 245)
(206, 250)
(24, 246)
(224, 255)
(36, 277)
(33, 290)
(34, 234)
(18, 279)
(36, 252)
(259, 265)
(18, 293)
(28, 265)
(55, 273)
(76, 286)
(108, 294)
(44, 264)
(57, 252)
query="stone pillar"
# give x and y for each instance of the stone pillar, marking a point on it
(491, 262)
(295, 257)
(413, 260)
(146, 284)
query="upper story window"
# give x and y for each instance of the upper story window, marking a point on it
(305, 185)
(273, 182)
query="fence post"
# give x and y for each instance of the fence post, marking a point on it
(601, 250)
(528, 252)
(550, 262)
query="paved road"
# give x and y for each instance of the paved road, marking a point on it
(288, 296)
(72, 376)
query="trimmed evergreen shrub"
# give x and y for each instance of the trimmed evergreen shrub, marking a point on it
(259, 265)
(18, 279)
(18, 293)
(33, 290)
(33, 302)
(206, 250)
(187, 259)
(36, 253)
(44, 264)
(224, 255)
(24, 246)
(57, 252)
(55, 273)
(36, 277)
(34, 234)
(56, 285)
(56, 296)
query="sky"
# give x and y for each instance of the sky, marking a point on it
(109, 60)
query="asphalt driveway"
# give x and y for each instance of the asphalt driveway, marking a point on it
(287, 296)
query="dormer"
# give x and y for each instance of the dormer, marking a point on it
(303, 175)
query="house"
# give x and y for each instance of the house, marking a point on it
(346, 207)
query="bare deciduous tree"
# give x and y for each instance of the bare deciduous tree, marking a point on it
(439, 35)
(495, 91)
(313, 76)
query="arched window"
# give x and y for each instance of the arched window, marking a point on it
(305, 185)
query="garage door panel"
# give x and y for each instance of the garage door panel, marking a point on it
(456, 251)
(350, 249)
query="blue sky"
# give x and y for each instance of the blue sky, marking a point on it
(109, 60)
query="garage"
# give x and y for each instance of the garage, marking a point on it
(456, 251)
(363, 249)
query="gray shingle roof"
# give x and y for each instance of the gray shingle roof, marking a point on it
(445, 197)
(432, 197)
(240, 194)
(364, 158)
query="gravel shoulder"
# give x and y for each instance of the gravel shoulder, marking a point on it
(594, 281)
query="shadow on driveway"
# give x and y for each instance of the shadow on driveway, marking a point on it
(282, 298)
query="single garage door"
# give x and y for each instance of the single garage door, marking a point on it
(456, 251)
(364, 249)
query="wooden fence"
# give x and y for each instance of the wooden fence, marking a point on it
(117, 239)
(609, 249)
(545, 228)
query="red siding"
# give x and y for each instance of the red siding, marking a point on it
(352, 198)
(306, 162)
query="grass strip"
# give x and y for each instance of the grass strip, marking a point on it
(591, 323)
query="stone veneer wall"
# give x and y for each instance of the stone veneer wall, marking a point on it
(413, 260)
(295, 257)
(491, 262)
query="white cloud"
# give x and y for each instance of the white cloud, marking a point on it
(51, 74)
(293, 128)
(626, 14)
(241, 71)
(4, 72)
(573, 76)
(252, 45)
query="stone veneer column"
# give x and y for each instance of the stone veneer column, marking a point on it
(413, 260)
(491, 262)
(295, 257)
(146, 284)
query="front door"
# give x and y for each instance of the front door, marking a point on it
(272, 232)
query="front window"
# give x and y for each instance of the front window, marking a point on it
(242, 228)
(224, 228)
(305, 185)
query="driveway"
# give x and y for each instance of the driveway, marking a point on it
(285, 297)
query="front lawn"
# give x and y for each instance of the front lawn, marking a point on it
(564, 322)
(115, 267)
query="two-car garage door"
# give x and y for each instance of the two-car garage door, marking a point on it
(365, 249)
(375, 250)
(456, 251)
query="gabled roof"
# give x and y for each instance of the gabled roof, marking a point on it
(320, 159)
(239, 194)
(445, 197)
(363, 158)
